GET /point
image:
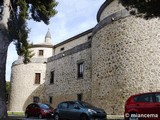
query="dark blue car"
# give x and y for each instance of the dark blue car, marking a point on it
(78, 110)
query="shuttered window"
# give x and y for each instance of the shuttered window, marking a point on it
(52, 77)
(37, 78)
(40, 52)
(36, 99)
(80, 70)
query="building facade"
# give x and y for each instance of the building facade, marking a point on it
(104, 65)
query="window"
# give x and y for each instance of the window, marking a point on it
(50, 99)
(37, 78)
(40, 52)
(89, 37)
(80, 70)
(63, 106)
(79, 97)
(36, 99)
(145, 98)
(71, 105)
(52, 77)
(157, 97)
(62, 49)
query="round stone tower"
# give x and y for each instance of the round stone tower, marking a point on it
(125, 56)
(27, 80)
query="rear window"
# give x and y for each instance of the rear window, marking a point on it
(63, 105)
(71, 105)
(157, 95)
(135, 98)
(144, 98)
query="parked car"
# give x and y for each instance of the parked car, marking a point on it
(39, 110)
(78, 110)
(143, 106)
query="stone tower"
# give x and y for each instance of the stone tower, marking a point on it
(125, 56)
(27, 80)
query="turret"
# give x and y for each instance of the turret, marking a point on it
(48, 38)
(30, 78)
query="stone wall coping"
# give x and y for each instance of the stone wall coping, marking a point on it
(33, 60)
(103, 6)
(111, 18)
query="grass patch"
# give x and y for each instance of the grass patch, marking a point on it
(121, 117)
(16, 113)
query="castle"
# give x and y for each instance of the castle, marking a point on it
(103, 66)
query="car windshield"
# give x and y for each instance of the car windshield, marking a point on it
(84, 104)
(44, 106)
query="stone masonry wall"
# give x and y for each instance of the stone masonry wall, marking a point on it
(66, 84)
(125, 61)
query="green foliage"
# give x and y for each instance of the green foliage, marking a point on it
(143, 8)
(8, 87)
(23, 10)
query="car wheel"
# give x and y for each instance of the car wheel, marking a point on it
(84, 117)
(56, 117)
(26, 115)
(40, 116)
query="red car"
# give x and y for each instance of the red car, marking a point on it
(145, 106)
(39, 110)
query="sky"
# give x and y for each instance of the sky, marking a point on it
(73, 17)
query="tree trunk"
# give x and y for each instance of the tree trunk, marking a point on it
(4, 43)
(3, 56)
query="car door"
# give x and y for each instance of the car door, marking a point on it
(63, 110)
(74, 111)
(145, 104)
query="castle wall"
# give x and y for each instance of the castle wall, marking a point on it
(66, 84)
(23, 87)
(121, 59)
(125, 60)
